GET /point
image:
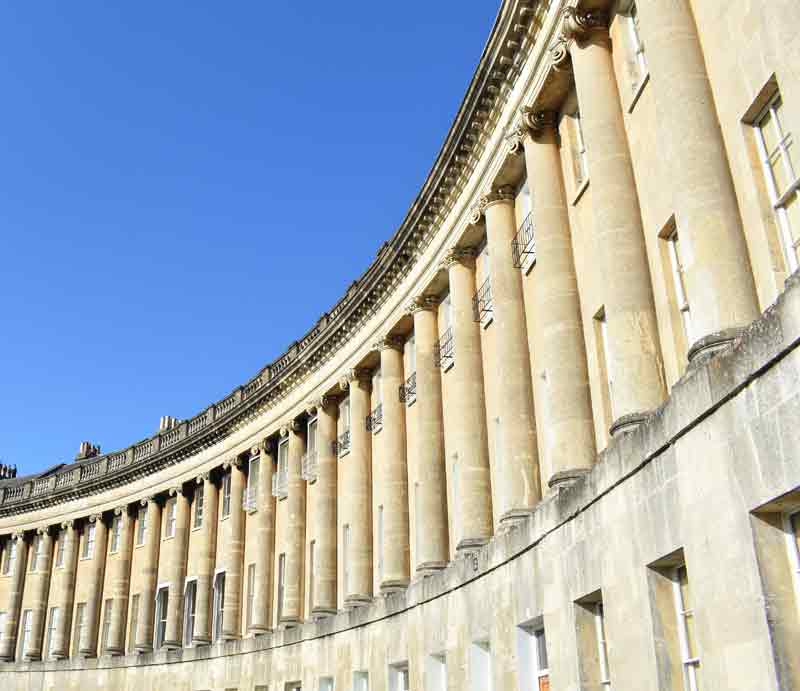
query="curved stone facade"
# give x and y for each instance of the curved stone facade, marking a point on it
(547, 441)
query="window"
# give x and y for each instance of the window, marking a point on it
(219, 605)
(116, 529)
(603, 346)
(398, 677)
(580, 163)
(134, 623)
(793, 535)
(776, 148)
(637, 62)
(436, 673)
(250, 502)
(60, 545)
(11, 557)
(226, 494)
(251, 592)
(411, 348)
(199, 498)
(312, 549)
(346, 559)
(162, 603)
(52, 627)
(189, 612)
(169, 524)
(2, 624)
(344, 414)
(360, 681)
(36, 552)
(326, 684)
(281, 584)
(80, 611)
(534, 674)
(27, 624)
(107, 611)
(480, 666)
(602, 645)
(141, 528)
(380, 545)
(88, 542)
(679, 284)
(686, 628)
(542, 667)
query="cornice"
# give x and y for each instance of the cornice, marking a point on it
(510, 42)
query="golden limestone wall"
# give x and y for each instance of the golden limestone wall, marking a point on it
(560, 453)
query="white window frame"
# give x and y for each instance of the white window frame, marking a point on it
(161, 613)
(116, 531)
(251, 594)
(678, 283)
(218, 602)
(226, 494)
(199, 505)
(189, 610)
(26, 629)
(635, 44)
(108, 610)
(171, 517)
(326, 684)
(250, 499)
(399, 679)
(133, 623)
(60, 549)
(778, 200)
(52, 627)
(794, 551)
(36, 552)
(436, 672)
(88, 541)
(480, 660)
(541, 667)
(360, 681)
(80, 622)
(688, 664)
(602, 644)
(141, 527)
(11, 557)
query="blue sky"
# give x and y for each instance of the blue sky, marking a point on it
(186, 187)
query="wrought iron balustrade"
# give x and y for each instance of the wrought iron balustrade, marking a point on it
(309, 466)
(280, 485)
(523, 246)
(482, 302)
(444, 350)
(375, 419)
(408, 391)
(343, 444)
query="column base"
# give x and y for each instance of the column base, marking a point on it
(394, 586)
(352, 601)
(514, 516)
(144, 649)
(258, 630)
(468, 544)
(719, 340)
(87, 652)
(201, 641)
(171, 645)
(627, 423)
(323, 612)
(33, 656)
(114, 652)
(288, 622)
(428, 568)
(565, 478)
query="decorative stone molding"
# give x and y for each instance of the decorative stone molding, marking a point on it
(458, 255)
(422, 303)
(313, 406)
(389, 342)
(579, 25)
(121, 510)
(356, 374)
(234, 462)
(18, 535)
(148, 500)
(499, 195)
(559, 56)
(176, 490)
(43, 530)
(94, 517)
(70, 523)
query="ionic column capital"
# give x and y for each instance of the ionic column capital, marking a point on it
(95, 517)
(535, 122)
(499, 195)
(176, 490)
(18, 535)
(422, 303)
(203, 477)
(148, 500)
(389, 343)
(70, 523)
(320, 403)
(458, 255)
(234, 462)
(579, 25)
(356, 374)
(121, 510)
(43, 530)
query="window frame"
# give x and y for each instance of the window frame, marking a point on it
(189, 610)
(26, 628)
(199, 506)
(541, 667)
(160, 616)
(251, 587)
(52, 627)
(678, 274)
(80, 622)
(141, 526)
(108, 610)
(218, 606)
(36, 548)
(171, 518)
(116, 532)
(226, 494)
(598, 613)
(60, 549)
(88, 541)
(689, 664)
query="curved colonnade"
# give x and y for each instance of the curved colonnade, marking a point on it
(480, 469)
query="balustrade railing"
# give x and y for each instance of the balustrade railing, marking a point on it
(375, 419)
(309, 467)
(482, 302)
(523, 246)
(40, 486)
(444, 350)
(408, 391)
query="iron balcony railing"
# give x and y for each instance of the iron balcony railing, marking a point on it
(408, 391)
(280, 484)
(482, 302)
(375, 420)
(309, 466)
(342, 444)
(523, 246)
(444, 350)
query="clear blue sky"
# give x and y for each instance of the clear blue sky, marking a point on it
(186, 187)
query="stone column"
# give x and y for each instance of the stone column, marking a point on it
(468, 406)
(207, 561)
(147, 600)
(40, 586)
(265, 535)
(325, 510)
(64, 582)
(561, 376)
(357, 489)
(94, 603)
(394, 473)
(8, 643)
(173, 637)
(232, 607)
(292, 612)
(431, 493)
(121, 583)
(719, 281)
(634, 360)
(518, 460)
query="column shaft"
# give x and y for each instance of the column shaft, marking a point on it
(292, 612)
(121, 583)
(207, 561)
(177, 572)
(468, 407)
(325, 530)
(265, 533)
(431, 491)
(40, 586)
(94, 603)
(634, 360)
(719, 281)
(358, 485)
(561, 378)
(515, 441)
(234, 562)
(149, 580)
(9, 641)
(394, 473)
(65, 579)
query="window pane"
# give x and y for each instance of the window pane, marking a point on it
(541, 649)
(792, 207)
(767, 126)
(779, 172)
